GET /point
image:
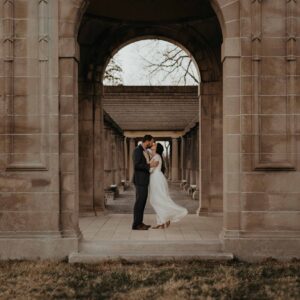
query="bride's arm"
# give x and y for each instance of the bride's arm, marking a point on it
(154, 158)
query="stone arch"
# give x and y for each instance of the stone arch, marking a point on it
(206, 58)
(227, 13)
(72, 14)
(75, 11)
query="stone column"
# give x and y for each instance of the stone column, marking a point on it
(189, 159)
(182, 153)
(122, 158)
(174, 160)
(115, 158)
(130, 162)
(197, 167)
(108, 158)
(98, 159)
(125, 159)
(193, 157)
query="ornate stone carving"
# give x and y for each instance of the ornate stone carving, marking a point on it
(271, 160)
(8, 46)
(40, 160)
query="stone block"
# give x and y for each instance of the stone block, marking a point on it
(28, 221)
(232, 220)
(270, 202)
(68, 182)
(232, 86)
(232, 124)
(260, 221)
(231, 47)
(67, 143)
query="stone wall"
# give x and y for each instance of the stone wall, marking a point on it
(260, 125)
(39, 160)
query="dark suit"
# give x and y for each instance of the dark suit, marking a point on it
(141, 178)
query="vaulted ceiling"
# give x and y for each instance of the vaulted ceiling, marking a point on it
(151, 10)
(108, 25)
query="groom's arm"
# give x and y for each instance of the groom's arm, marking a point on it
(139, 162)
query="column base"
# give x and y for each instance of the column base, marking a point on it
(259, 246)
(86, 211)
(195, 195)
(175, 181)
(54, 248)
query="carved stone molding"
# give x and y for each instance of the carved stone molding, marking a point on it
(261, 160)
(40, 160)
(8, 47)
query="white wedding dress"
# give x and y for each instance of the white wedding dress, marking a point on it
(166, 209)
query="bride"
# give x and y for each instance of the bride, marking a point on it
(166, 209)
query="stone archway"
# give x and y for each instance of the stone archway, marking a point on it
(47, 163)
(39, 138)
(207, 58)
(123, 38)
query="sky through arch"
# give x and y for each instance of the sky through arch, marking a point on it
(151, 62)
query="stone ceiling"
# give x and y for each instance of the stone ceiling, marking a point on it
(151, 10)
(152, 108)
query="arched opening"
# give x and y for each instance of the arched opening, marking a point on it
(164, 107)
(100, 37)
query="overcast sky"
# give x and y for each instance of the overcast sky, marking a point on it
(131, 58)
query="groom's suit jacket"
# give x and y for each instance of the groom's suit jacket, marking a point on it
(141, 167)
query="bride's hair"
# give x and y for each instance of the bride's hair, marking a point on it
(160, 150)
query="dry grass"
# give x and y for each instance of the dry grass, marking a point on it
(157, 280)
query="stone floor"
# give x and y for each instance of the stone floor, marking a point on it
(109, 235)
(117, 227)
(115, 223)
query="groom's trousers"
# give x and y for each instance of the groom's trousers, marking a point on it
(140, 203)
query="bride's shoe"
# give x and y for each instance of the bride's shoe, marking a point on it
(159, 226)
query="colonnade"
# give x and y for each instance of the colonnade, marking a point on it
(182, 159)
(114, 158)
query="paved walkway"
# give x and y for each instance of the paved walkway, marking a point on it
(109, 236)
(125, 202)
(117, 227)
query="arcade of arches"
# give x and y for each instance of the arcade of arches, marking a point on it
(57, 119)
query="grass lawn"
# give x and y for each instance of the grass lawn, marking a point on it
(152, 280)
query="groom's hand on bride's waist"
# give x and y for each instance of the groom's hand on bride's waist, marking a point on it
(154, 164)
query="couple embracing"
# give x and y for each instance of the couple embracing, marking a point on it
(150, 182)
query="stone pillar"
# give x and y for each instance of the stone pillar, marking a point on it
(86, 146)
(122, 158)
(175, 160)
(182, 153)
(197, 165)
(193, 158)
(98, 158)
(115, 162)
(130, 162)
(108, 180)
(188, 160)
(125, 159)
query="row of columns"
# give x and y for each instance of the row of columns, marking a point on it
(114, 158)
(184, 161)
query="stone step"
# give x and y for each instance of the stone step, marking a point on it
(96, 258)
(149, 246)
(91, 252)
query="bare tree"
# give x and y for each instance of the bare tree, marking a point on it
(113, 73)
(172, 60)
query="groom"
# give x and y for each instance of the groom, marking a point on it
(142, 165)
